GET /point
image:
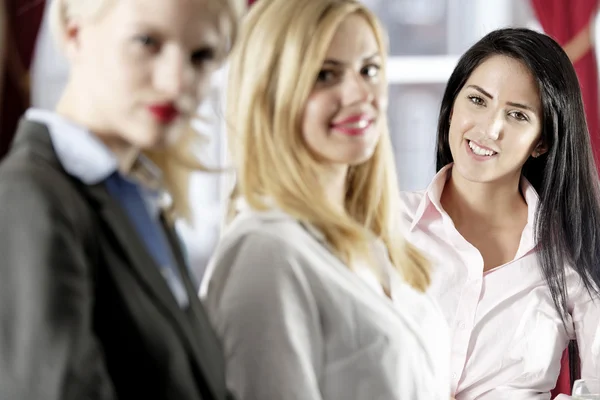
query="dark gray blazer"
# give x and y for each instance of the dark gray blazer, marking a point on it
(84, 311)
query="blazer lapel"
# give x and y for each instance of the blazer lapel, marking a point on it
(140, 261)
(203, 341)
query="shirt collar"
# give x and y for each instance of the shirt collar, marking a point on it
(84, 156)
(433, 195)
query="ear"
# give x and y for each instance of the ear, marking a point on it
(71, 39)
(540, 149)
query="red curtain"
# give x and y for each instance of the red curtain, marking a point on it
(568, 22)
(27, 16)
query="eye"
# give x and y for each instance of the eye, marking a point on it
(476, 100)
(327, 76)
(203, 56)
(147, 42)
(371, 70)
(519, 116)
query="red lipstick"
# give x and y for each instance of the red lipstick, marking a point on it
(163, 113)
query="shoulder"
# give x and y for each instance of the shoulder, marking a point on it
(268, 245)
(578, 295)
(34, 185)
(273, 230)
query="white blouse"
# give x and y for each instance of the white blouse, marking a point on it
(296, 323)
(507, 339)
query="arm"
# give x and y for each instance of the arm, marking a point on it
(47, 350)
(267, 319)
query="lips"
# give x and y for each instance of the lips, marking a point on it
(163, 113)
(478, 152)
(354, 125)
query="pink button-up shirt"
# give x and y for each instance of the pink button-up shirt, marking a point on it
(507, 338)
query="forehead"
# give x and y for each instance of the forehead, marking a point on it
(508, 78)
(354, 37)
(185, 19)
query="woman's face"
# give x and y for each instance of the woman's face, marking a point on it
(144, 67)
(496, 122)
(340, 121)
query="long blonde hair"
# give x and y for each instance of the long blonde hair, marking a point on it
(177, 162)
(272, 72)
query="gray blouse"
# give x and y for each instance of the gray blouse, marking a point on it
(297, 323)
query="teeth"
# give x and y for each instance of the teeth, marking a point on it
(479, 151)
(363, 123)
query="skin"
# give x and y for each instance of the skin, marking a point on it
(499, 109)
(134, 55)
(349, 84)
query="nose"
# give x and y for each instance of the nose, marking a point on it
(494, 125)
(356, 90)
(173, 74)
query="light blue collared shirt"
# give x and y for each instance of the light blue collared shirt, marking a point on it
(80, 152)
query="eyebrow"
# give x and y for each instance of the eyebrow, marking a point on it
(341, 63)
(510, 103)
(207, 41)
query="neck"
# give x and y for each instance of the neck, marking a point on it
(78, 109)
(487, 203)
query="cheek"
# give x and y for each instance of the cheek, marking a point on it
(461, 122)
(131, 73)
(456, 131)
(318, 114)
(525, 143)
(381, 97)
(203, 83)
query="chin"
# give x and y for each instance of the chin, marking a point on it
(149, 139)
(477, 175)
(359, 159)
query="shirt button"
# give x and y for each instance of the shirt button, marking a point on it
(461, 325)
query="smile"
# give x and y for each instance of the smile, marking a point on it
(354, 128)
(480, 151)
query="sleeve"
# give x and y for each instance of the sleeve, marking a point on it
(267, 318)
(47, 348)
(586, 321)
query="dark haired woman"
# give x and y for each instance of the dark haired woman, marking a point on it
(511, 219)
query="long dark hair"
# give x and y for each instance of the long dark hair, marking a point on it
(565, 178)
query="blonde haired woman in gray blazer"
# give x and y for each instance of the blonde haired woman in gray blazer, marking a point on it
(312, 290)
(96, 299)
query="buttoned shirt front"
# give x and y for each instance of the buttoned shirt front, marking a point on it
(507, 338)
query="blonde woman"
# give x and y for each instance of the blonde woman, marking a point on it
(96, 301)
(312, 291)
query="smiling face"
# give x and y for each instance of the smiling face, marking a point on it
(496, 122)
(142, 67)
(340, 122)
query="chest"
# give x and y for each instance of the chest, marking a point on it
(502, 323)
(497, 246)
(366, 334)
